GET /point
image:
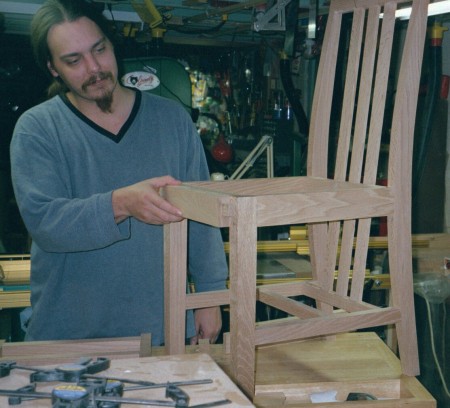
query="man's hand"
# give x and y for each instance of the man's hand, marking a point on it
(143, 202)
(208, 322)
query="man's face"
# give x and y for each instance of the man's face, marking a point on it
(84, 59)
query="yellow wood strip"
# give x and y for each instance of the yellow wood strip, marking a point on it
(301, 246)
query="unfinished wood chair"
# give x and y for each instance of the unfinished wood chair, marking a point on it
(338, 203)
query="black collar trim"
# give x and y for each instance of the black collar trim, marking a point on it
(123, 130)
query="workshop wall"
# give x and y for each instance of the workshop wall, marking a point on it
(21, 86)
(255, 101)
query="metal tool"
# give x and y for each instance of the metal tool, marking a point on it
(76, 396)
(18, 400)
(64, 373)
(360, 396)
(178, 395)
(6, 367)
(69, 372)
(104, 392)
(141, 384)
(93, 391)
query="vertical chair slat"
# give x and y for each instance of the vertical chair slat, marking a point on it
(359, 140)
(348, 104)
(318, 141)
(321, 108)
(364, 94)
(374, 142)
(342, 155)
(379, 95)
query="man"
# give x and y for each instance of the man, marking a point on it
(87, 165)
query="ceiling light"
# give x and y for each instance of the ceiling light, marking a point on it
(439, 7)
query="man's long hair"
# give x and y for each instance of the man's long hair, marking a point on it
(54, 12)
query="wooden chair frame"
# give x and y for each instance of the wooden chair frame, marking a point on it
(338, 209)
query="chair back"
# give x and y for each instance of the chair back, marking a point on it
(362, 122)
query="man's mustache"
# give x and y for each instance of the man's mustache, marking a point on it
(98, 77)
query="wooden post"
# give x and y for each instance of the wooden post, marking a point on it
(175, 281)
(243, 241)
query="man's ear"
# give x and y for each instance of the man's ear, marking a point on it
(52, 70)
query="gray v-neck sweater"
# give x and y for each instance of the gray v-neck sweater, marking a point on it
(91, 278)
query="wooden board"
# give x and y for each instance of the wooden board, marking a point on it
(156, 369)
(14, 271)
(288, 374)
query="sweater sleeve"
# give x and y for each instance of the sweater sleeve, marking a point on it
(57, 221)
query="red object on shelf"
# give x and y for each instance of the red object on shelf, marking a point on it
(222, 151)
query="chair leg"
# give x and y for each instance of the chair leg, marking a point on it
(175, 278)
(391, 333)
(401, 276)
(407, 339)
(243, 241)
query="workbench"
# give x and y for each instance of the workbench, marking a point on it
(158, 370)
(286, 375)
